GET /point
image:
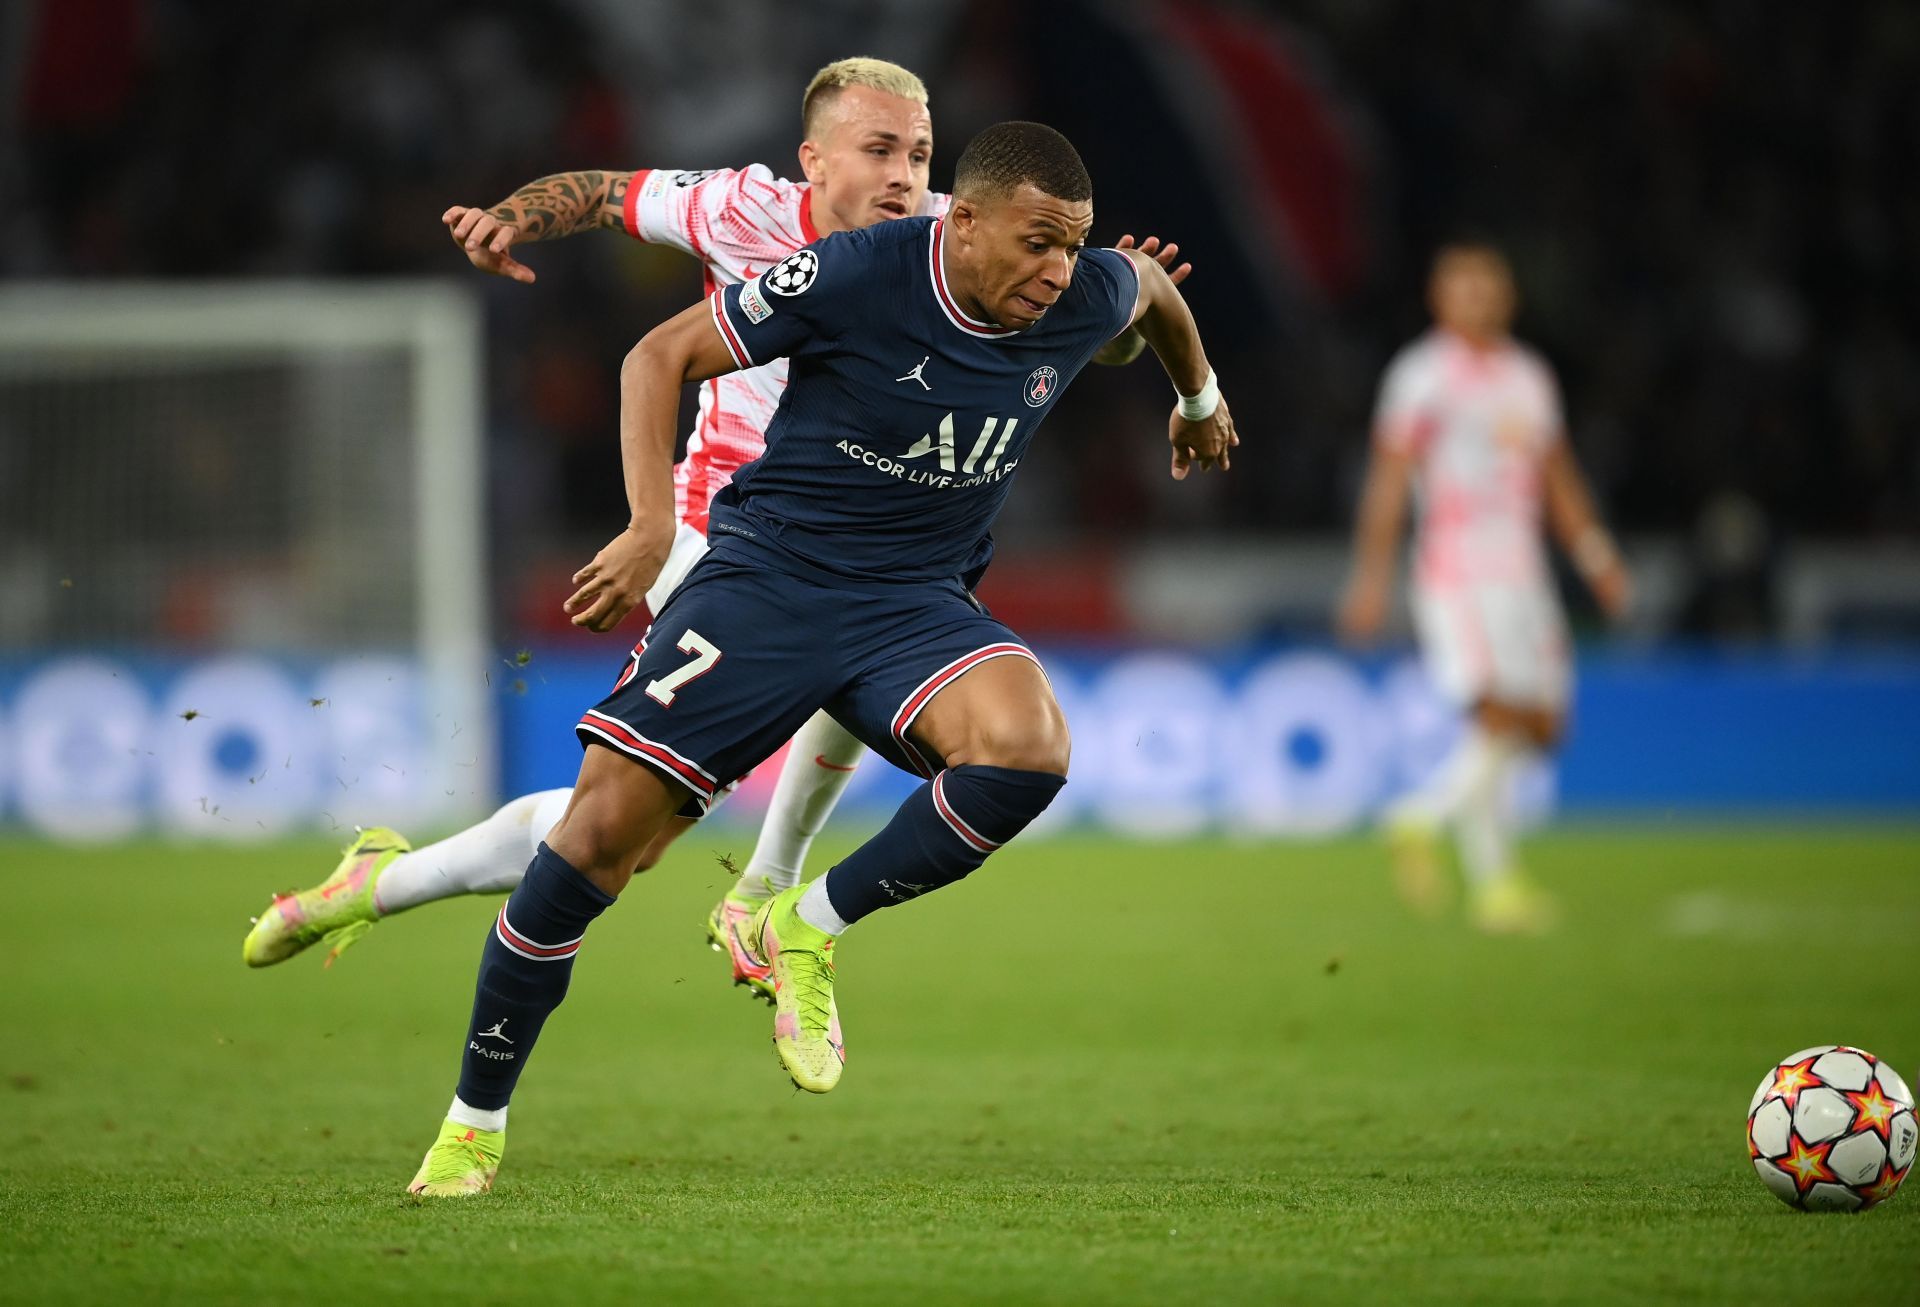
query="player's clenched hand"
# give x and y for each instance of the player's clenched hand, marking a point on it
(1164, 257)
(485, 241)
(615, 582)
(1201, 444)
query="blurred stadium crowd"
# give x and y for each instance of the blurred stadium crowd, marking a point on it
(1712, 209)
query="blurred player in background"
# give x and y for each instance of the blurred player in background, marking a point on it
(866, 153)
(1469, 421)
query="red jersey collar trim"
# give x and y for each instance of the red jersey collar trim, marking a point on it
(630, 206)
(937, 272)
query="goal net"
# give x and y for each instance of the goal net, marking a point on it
(242, 572)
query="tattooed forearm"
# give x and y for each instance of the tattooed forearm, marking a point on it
(563, 204)
(613, 209)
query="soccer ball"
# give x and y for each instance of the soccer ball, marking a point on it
(1832, 1129)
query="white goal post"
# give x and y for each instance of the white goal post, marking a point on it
(287, 472)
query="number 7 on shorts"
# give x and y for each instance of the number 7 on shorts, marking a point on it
(706, 656)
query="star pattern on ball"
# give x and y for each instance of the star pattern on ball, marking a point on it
(1873, 1110)
(1789, 1078)
(1882, 1189)
(1807, 1163)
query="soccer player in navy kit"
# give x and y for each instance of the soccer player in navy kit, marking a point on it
(923, 355)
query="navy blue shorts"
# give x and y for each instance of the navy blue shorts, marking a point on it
(743, 653)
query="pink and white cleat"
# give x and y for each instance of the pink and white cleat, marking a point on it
(337, 911)
(727, 932)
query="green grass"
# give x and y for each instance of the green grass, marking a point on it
(1099, 1072)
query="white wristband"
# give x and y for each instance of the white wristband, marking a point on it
(1200, 407)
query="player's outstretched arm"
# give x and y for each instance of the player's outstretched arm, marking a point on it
(551, 207)
(686, 347)
(1376, 538)
(1201, 429)
(1577, 526)
(1127, 346)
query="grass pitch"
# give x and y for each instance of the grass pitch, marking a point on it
(1098, 1072)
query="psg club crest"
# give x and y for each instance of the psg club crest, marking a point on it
(794, 273)
(1041, 383)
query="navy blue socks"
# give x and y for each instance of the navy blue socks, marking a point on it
(944, 830)
(524, 971)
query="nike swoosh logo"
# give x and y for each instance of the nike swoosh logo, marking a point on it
(740, 947)
(821, 758)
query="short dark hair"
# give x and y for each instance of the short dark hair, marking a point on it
(1006, 155)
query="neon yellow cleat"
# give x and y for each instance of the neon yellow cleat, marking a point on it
(461, 1163)
(1513, 905)
(339, 910)
(727, 927)
(806, 1024)
(1419, 873)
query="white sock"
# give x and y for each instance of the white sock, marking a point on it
(818, 767)
(816, 909)
(1484, 822)
(479, 1118)
(1462, 774)
(546, 815)
(488, 858)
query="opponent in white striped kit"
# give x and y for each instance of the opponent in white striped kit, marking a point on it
(867, 148)
(1469, 423)
(738, 223)
(866, 153)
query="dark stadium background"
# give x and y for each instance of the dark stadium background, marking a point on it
(1712, 208)
(1179, 1043)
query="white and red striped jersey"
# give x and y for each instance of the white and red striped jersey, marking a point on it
(737, 222)
(1478, 424)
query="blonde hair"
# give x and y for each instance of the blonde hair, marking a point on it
(875, 74)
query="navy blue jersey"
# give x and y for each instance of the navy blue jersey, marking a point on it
(903, 419)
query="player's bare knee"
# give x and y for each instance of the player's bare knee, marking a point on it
(591, 844)
(656, 849)
(1494, 717)
(1040, 743)
(619, 811)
